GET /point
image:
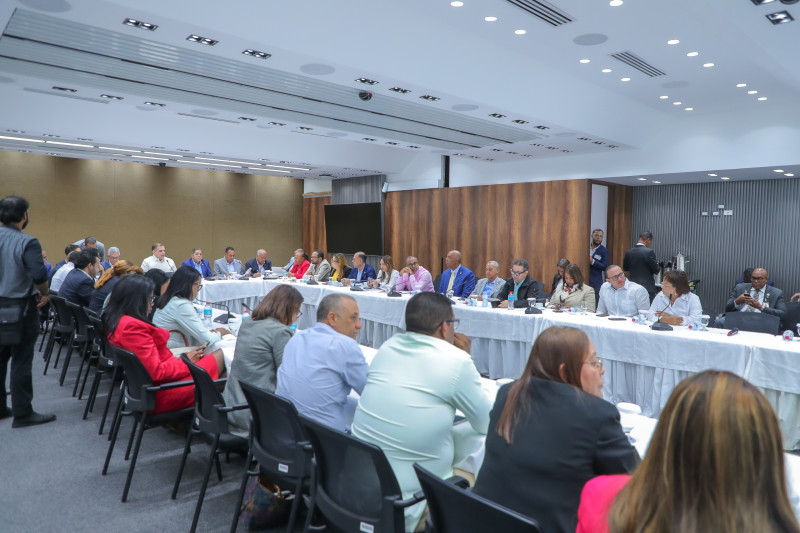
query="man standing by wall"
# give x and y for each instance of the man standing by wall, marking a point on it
(640, 262)
(21, 272)
(598, 262)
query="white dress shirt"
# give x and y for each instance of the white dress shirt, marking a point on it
(628, 300)
(166, 264)
(686, 306)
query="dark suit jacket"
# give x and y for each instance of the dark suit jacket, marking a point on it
(55, 268)
(205, 266)
(597, 270)
(640, 262)
(564, 438)
(463, 285)
(367, 273)
(77, 288)
(528, 289)
(772, 296)
(253, 265)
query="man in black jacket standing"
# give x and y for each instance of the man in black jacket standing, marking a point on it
(640, 262)
(23, 288)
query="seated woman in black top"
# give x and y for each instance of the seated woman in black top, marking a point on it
(550, 432)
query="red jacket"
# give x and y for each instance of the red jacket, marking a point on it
(299, 270)
(149, 344)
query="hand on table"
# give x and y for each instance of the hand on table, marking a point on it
(222, 331)
(667, 318)
(503, 304)
(462, 342)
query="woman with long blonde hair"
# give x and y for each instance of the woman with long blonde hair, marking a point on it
(106, 283)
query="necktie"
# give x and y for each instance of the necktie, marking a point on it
(452, 279)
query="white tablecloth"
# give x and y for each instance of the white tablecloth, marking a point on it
(642, 366)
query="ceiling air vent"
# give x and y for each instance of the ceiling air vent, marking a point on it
(543, 11)
(632, 60)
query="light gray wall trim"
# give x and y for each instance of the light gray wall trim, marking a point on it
(763, 231)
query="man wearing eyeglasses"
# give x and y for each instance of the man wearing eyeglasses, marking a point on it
(757, 297)
(520, 284)
(414, 277)
(619, 296)
(416, 382)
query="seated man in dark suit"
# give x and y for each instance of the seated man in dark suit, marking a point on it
(746, 278)
(227, 265)
(520, 284)
(757, 297)
(456, 277)
(361, 270)
(640, 262)
(68, 250)
(259, 264)
(198, 263)
(78, 286)
(111, 258)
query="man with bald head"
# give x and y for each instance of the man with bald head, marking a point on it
(259, 264)
(492, 285)
(757, 296)
(414, 277)
(456, 277)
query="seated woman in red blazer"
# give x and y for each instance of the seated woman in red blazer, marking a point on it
(126, 325)
(715, 463)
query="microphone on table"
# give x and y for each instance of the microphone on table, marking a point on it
(247, 307)
(662, 326)
(455, 286)
(223, 319)
(733, 332)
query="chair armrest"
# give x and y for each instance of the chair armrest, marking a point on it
(413, 500)
(229, 408)
(171, 385)
(458, 481)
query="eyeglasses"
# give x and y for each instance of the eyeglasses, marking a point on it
(412, 264)
(757, 279)
(598, 363)
(618, 276)
(513, 273)
(153, 299)
(299, 314)
(453, 321)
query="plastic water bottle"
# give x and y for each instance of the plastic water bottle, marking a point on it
(207, 312)
(245, 315)
(293, 327)
(788, 335)
(511, 300)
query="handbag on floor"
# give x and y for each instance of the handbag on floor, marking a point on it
(263, 505)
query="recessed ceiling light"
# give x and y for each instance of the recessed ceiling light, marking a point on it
(366, 81)
(209, 164)
(456, 4)
(677, 103)
(540, 127)
(167, 155)
(277, 124)
(368, 139)
(586, 60)
(740, 85)
(20, 139)
(304, 128)
(658, 182)
(50, 135)
(139, 24)
(708, 65)
(400, 90)
(606, 70)
(224, 160)
(625, 79)
(148, 157)
(789, 175)
(724, 178)
(281, 166)
(762, 98)
(248, 119)
(84, 139)
(520, 32)
(430, 98)
(692, 54)
(496, 115)
(110, 97)
(202, 40)
(615, 3)
(256, 53)
(781, 17)
(155, 104)
(519, 121)
(642, 179)
(663, 97)
(66, 89)
(752, 92)
(70, 144)
(713, 175)
(391, 143)
(413, 146)
(118, 149)
(761, 2)
(490, 19)
(673, 41)
(689, 109)
(779, 170)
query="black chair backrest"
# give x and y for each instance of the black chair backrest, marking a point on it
(104, 352)
(354, 482)
(206, 396)
(137, 379)
(455, 510)
(276, 433)
(758, 322)
(63, 312)
(792, 317)
(81, 319)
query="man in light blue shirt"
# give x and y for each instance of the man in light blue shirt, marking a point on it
(492, 285)
(321, 365)
(621, 297)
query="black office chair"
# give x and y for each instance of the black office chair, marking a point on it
(757, 322)
(81, 338)
(211, 422)
(63, 327)
(140, 399)
(105, 364)
(279, 444)
(454, 509)
(352, 484)
(792, 317)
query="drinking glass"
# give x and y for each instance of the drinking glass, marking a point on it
(704, 320)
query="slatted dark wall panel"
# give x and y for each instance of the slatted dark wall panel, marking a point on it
(763, 231)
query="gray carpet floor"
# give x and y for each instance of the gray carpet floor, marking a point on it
(50, 475)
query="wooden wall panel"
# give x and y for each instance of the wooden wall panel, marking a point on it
(620, 218)
(133, 205)
(314, 235)
(541, 222)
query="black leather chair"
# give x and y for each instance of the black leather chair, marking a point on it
(63, 327)
(105, 364)
(454, 509)
(792, 317)
(757, 322)
(140, 399)
(210, 422)
(81, 339)
(352, 484)
(279, 444)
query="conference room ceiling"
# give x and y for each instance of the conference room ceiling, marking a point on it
(556, 90)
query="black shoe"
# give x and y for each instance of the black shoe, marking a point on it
(5, 413)
(33, 419)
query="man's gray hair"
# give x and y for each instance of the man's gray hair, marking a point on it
(494, 264)
(113, 250)
(332, 302)
(89, 240)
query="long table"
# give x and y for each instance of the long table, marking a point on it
(642, 366)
